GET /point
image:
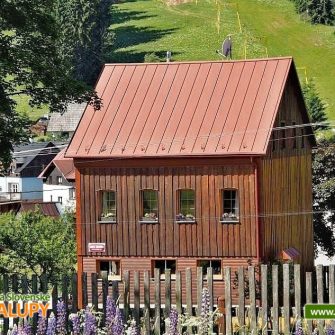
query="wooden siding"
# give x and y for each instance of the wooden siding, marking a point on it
(206, 238)
(285, 183)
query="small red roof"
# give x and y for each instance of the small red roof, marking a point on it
(183, 109)
(64, 164)
(46, 208)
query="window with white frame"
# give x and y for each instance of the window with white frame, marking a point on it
(186, 206)
(215, 264)
(230, 205)
(72, 193)
(149, 206)
(163, 265)
(60, 200)
(108, 206)
(59, 180)
(109, 269)
(13, 187)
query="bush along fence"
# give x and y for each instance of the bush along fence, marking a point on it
(255, 299)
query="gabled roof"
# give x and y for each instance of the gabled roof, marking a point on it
(183, 109)
(64, 165)
(46, 208)
(68, 120)
(25, 153)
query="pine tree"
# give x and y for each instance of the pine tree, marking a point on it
(321, 11)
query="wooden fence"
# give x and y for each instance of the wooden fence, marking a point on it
(264, 298)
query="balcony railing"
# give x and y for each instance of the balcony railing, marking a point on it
(10, 196)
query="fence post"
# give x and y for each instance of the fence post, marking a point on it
(332, 289)
(94, 283)
(189, 295)
(178, 292)
(252, 294)
(264, 283)
(54, 294)
(286, 294)
(309, 298)
(211, 293)
(199, 289)
(137, 297)
(297, 291)
(105, 285)
(275, 299)
(157, 329)
(241, 297)
(319, 288)
(147, 302)
(74, 289)
(84, 289)
(115, 290)
(5, 290)
(126, 292)
(227, 282)
(167, 292)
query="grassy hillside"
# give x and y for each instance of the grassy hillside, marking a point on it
(193, 31)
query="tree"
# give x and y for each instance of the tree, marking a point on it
(315, 107)
(31, 65)
(36, 244)
(324, 196)
(321, 11)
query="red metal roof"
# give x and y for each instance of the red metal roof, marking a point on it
(46, 208)
(182, 109)
(65, 166)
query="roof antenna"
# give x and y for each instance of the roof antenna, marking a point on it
(168, 56)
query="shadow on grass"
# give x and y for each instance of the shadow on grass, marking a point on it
(121, 15)
(137, 57)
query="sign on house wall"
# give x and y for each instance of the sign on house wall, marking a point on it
(96, 247)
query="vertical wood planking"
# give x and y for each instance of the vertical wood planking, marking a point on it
(332, 289)
(157, 329)
(319, 289)
(178, 292)
(241, 298)
(137, 297)
(167, 292)
(252, 295)
(126, 292)
(309, 298)
(228, 303)
(147, 302)
(275, 299)
(264, 284)
(297, 291)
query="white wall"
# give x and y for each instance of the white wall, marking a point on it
(52, 192)
(4, 188)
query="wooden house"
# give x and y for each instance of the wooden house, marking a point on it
(193, 164)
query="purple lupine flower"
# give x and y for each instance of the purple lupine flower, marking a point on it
(27, 328)
(204, 312)
(51, 330)
(90, 327)
(173, 326)
(298, 328)
(330, 330)
(133, 328)
(118, 326)
(41, 324)
(110, 314)
(14, 330)
(61, 318)
(75, 324)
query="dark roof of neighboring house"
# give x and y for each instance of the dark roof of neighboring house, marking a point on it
(67, 121)
(46, 208)
(64, 165)
(25, 153)
(183, 109)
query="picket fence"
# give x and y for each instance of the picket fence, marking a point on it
(256, 299)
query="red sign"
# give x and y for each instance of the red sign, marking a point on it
(96, 247)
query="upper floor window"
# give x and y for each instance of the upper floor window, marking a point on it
(163, 265)
(13, 187)
(59, 180)
(230, 205)
(149, 206)
(72, 193)
(109, 269)
(215, 264)
(60, 200)
(108, 206)
(186, 206)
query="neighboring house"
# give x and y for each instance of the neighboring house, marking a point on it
(63, 125)
(59, 182)
(22, 182)
(46, 208)
(194, 164)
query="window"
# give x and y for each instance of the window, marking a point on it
(186, 206)
(60, 200)
(51, 198)
(13, 187)
(215, 264)
(163, 264)
(72, 193)
(59, 180)
(229, 206)
(108, 206)
(109, 269)
(50, 180)
(149, 206)
(282, 135)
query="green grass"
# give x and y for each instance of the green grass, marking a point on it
(192, 31)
